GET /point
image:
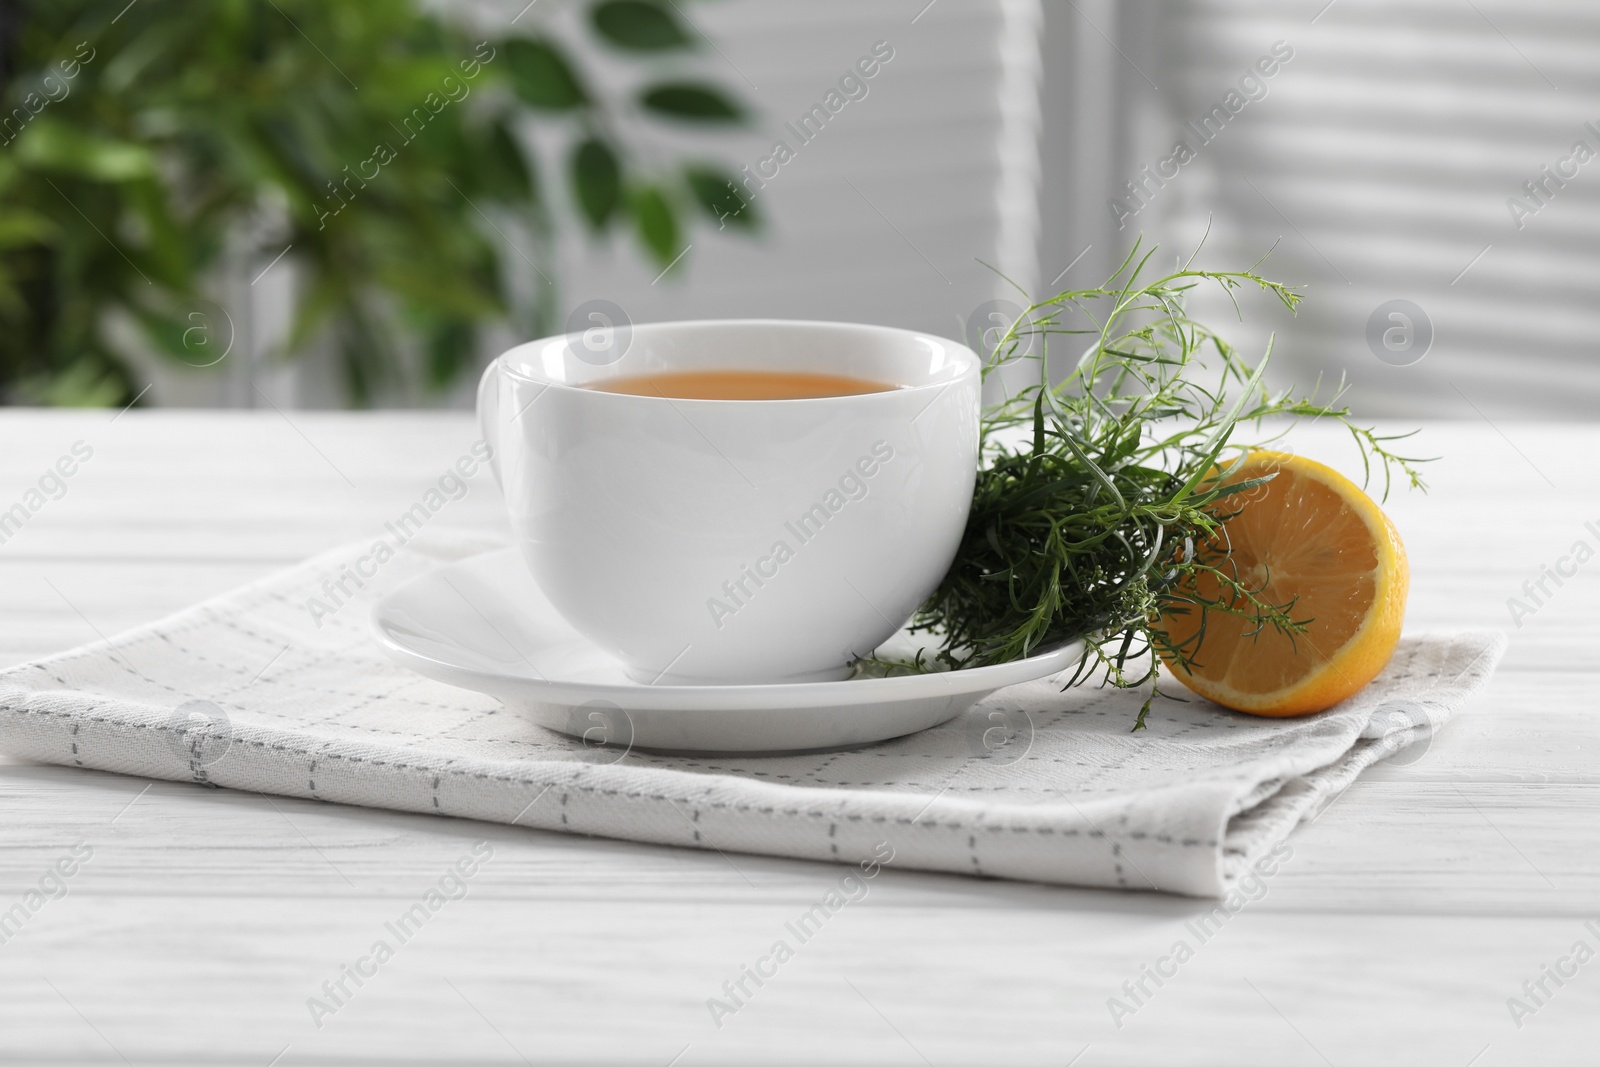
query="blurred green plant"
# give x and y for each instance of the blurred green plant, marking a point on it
(385, 147)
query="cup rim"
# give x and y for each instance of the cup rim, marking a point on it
(971, 363)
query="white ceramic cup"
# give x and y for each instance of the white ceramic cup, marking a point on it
(735, 541)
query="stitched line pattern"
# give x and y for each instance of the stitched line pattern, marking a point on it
(334, 690)
(759, 809)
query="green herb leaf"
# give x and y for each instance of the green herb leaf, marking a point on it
(1100, 496)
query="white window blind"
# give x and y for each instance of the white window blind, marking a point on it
(1383, 155)
(884, 215)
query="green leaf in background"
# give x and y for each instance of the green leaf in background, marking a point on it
(656, 223)
(507, 166)
(596, 181)
(692, 101)
(186, 144)
(450, 351)
(20, 228)
(320, 305)
(718, 195)
(52, 145)
(638, 25)
(541, 76)
(83, 383)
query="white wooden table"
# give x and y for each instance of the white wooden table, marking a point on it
(205, 919)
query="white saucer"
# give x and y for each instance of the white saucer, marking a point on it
(482, 624)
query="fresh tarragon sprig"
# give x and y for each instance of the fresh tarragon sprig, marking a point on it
(1101, 496)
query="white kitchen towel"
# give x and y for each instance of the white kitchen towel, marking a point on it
(296, 698)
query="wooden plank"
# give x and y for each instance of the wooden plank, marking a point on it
(1408, 914)
(926, 965)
